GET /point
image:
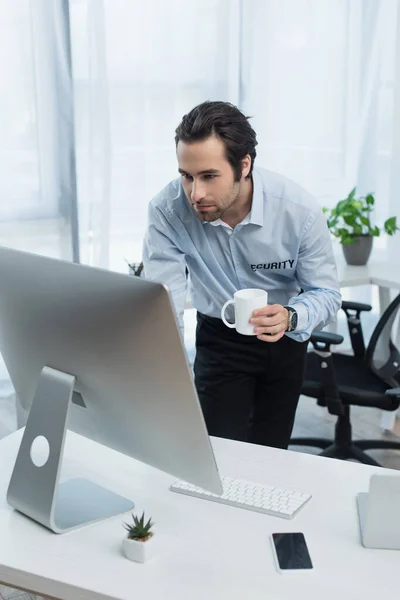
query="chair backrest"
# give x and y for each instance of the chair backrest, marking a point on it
(382, 355)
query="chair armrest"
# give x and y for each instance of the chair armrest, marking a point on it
(358, 306)
(353, 311)
(394, 392)
(326, 338)
(322, 341)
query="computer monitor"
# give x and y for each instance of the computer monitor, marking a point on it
(99, 353)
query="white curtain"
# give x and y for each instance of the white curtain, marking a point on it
(394, 191)
(317, 75)
(38, 200)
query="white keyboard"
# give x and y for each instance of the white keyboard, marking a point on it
(277, 502)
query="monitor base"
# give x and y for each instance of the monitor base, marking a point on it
(80, 501)
(34, 490)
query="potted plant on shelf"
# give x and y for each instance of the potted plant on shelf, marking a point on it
(350, 222)
(138, 545)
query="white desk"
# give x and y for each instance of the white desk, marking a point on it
(206, 550)
(382, 273)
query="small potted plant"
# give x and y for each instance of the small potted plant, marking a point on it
(135, 268)
(350, 222)
(138, 545)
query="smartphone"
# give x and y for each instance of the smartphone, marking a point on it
(291, 552)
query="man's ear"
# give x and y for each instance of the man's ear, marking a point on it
(246, 165)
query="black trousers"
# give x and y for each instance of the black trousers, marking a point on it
(248, 389)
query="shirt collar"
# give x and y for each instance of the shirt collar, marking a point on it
(257, 205)
(256, 215)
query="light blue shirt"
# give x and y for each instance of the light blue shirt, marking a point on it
(283, 246)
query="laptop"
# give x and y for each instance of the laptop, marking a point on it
(379, 513)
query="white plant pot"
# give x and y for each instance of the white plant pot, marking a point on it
(138, 551)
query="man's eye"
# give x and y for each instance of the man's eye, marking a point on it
(186, 176)
(209, 176)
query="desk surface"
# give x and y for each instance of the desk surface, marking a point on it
(205, 550)
(376, 271)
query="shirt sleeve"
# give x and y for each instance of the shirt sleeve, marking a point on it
(163, 261)
(316, 274)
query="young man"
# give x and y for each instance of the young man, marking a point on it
(232, 227)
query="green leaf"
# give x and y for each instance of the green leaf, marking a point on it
(365, 221)
(391, 222)
(352, 194)
(357, 205)
(370, 200)
(346, 241)
(343, 232)
(139, 530)
(332, 222)
(349, 219)
(390, 225)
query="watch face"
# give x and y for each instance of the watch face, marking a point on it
(292, 320)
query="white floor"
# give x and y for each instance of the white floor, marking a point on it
(7, 593)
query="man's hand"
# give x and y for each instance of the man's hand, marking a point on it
(270, 322)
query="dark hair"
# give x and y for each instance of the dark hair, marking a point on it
(225, 121)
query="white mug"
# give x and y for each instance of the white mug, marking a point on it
(245, 301)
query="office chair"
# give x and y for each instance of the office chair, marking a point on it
(368, 377)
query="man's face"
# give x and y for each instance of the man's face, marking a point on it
(207, 178)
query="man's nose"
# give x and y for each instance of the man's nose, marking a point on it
(197, 192)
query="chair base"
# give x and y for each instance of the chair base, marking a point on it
(343, 446)
(349, 450)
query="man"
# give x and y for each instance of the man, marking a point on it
(233, 226)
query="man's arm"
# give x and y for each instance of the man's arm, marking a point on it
(163, 261)
(316, 274)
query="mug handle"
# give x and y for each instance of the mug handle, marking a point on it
(223, 309)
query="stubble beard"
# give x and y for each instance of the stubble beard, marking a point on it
(209, 217)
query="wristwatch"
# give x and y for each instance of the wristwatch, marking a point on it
(293, 318)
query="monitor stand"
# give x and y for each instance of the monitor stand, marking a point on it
(35, 490)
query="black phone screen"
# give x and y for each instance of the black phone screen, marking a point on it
(291, 551)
